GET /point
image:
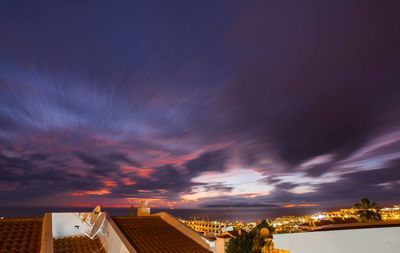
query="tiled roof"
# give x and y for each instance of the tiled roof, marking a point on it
(20, 235)
(225, 236)
(235, 233)
(151, 234)
(81, 244)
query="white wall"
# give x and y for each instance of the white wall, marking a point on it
(365, 240)
(220, 245)
(63, 225)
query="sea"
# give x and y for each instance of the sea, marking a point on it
(211, 214)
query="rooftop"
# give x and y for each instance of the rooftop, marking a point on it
(149, 234)
(20, 235)
(77, 244)
(69, 233)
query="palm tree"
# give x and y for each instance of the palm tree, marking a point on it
(266, 224)
(367, 210)
(250, 242)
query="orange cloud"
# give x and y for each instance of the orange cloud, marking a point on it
(144, 191)
(84, 193)
(145, 172)
(109, 183)
(128, 181)
(153, 202)
(142, 172)
(300, 205)
(252, 195)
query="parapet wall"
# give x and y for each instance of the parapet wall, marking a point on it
(385, 239)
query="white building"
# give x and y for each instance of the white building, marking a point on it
(207, 228)
(350, 238)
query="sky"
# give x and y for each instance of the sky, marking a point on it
(199, 104)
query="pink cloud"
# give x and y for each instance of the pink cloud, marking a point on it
(109, 183)
(144, 172)
(128, 181)
(8, 186)
(128, 169)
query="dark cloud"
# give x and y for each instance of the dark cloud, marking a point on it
(38, 157)
(320, 169)
(376, 176)
(325, 90)
(39, 175)
(208, 161)
(286, 185)
(220, 187)
(27, 182)
(168, 177)
(172, 179)
(239, 205)
(120, 157)
(378, 184)
(91, 99)
(7, 123)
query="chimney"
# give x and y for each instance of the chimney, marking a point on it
(131, 211)
(143, 209)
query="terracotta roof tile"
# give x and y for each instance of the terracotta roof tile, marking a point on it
(151, 234)
(235, 233)
(20, 235)
(77, 244)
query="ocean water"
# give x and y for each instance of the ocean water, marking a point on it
(218, 214)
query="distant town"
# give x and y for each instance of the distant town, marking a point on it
(292, 224)
(290, 233)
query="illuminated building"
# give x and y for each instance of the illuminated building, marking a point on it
(208, 228)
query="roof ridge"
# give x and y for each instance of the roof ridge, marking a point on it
(169, 238)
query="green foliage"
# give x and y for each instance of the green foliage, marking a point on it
(251, 242)
(240, 244)
(367, 210)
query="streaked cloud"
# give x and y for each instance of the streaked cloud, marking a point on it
(259, 104)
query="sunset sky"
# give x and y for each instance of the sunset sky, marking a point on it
(199, 103)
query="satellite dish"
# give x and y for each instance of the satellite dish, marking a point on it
(95, 214)
(97, 225)
(96, 228)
